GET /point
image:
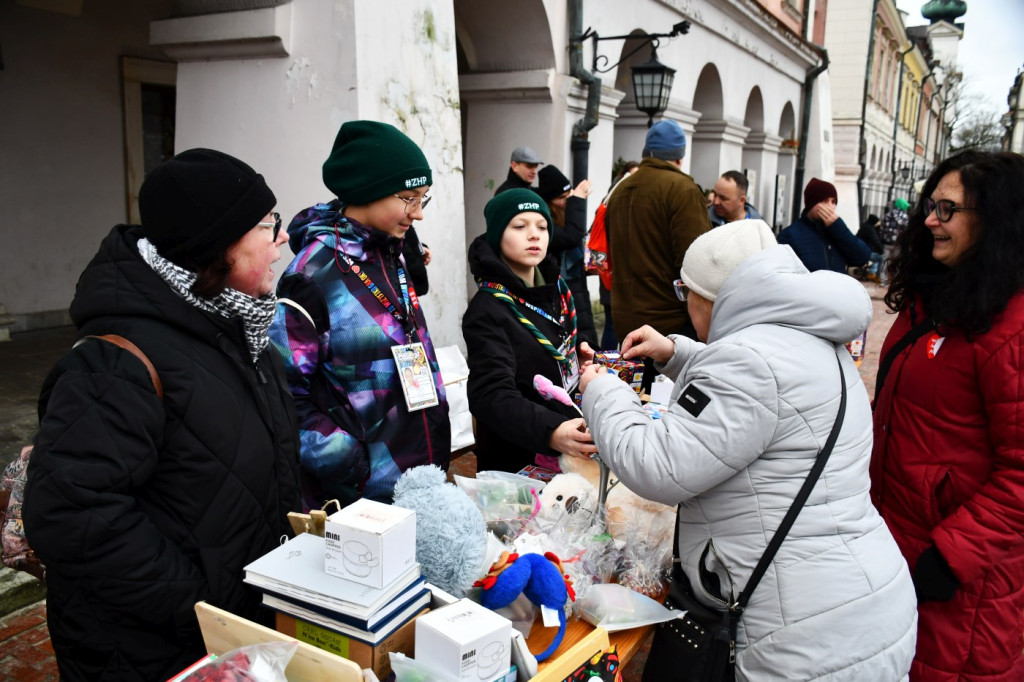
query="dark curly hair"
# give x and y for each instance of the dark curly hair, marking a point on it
(968, 295)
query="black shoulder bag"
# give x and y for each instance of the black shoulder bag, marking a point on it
(701, 646)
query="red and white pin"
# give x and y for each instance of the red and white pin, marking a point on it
(934, 343)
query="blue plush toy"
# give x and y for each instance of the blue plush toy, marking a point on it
(539, 577)
(451, 536)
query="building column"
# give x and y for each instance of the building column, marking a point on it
(717, 147)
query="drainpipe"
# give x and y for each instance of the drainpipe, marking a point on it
(896, 124)
(580, 143)
(801, 154)
(862, 147)
(917, 124)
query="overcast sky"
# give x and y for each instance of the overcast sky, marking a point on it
(992, 49)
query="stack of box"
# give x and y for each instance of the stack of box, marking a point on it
(354, 592)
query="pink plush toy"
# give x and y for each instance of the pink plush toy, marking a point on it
(549, 391)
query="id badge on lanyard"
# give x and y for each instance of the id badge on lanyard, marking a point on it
(570, 373)
(415, 375)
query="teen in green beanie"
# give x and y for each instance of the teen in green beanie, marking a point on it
(521, 324)
(350, 323)
(505, 206)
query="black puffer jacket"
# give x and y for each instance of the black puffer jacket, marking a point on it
(513, 422)
(139, 508)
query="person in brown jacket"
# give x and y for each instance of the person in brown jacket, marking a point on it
(653, 217)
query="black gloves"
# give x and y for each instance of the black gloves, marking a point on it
(933, 579)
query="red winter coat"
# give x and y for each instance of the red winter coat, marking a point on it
(948, 469)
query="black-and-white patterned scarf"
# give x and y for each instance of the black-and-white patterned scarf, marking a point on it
(256, 313)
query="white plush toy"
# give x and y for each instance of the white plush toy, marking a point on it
(566, 499)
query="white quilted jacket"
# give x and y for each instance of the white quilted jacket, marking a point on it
(760, 399)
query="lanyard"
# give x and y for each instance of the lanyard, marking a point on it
(501, 293)
(499, 288)
(403, 315)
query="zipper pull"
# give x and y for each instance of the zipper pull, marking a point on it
(259, 373)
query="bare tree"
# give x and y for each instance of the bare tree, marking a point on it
(974, 123)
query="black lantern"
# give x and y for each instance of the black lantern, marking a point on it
(652, 84)
(905, 171)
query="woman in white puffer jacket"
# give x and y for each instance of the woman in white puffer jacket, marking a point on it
(750, 410)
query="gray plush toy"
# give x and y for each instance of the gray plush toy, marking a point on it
(451, 537)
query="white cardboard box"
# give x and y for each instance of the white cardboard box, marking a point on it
(370, 543)
(466, 641)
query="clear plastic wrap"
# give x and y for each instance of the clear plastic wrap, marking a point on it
(643, 532)
(506, 501)
(254, 663)
(614, 607)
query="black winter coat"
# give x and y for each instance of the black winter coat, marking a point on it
(513, 422)
(140, 508)
(566, 247)
(513, 181)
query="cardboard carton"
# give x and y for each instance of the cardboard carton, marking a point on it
(465, 641)
(370, 543)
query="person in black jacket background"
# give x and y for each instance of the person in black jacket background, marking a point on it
(140, 507)
(568, 206)
(521, 323)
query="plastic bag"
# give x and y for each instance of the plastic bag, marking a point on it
(409, 670)
(614, 607)
(256, 663)
(505, 500)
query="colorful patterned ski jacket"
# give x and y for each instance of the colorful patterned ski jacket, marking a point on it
(336, 337)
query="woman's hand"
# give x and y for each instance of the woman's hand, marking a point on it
(581, 190)
(646, 342)
(573, 438)
(589, 373)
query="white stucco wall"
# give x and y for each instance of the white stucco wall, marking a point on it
(62, 179)
(386, 60)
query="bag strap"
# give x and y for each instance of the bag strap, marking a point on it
(127, 345)
(916, 332)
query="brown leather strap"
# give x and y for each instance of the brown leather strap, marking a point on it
(124, 343)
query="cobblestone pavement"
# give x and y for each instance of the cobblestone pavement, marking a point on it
(25, 651)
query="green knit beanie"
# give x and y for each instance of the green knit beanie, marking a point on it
(371, 160)
(901, 204)
(500, 211)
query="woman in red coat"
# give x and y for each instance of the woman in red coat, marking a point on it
(947, 468)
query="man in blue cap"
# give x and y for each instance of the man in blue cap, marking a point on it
(653, 217)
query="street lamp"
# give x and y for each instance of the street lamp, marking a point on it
(905, 171)
(652, 83)
(652, 80)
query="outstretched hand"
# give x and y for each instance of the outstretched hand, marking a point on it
(573, 438)
(646, 342)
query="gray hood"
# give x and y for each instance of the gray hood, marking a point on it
(774, 287)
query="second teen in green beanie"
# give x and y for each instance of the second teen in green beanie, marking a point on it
(506, 206)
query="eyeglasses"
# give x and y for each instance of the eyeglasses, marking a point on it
(412, 202)
(944, 209)
(276, 224)
(681, 290)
